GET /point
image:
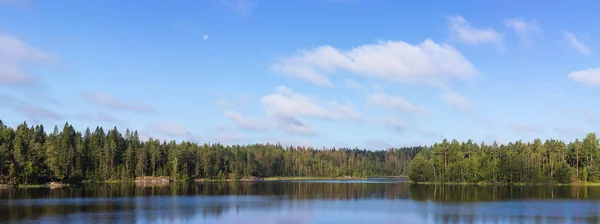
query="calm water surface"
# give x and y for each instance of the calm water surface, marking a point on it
(324, 201)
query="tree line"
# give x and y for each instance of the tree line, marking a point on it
(29, 155)
(551, 161)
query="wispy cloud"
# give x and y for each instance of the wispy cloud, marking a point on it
(223, 103)
(525, 30)
(461, 30)
(109, 101)
(395, 124)
(241, 7)
(570, 131)
(103, 117)
(8, 100)
(351, 84)
(576, 43)
(457, 100)
(254, 124)
(395, 102)
(171, 129)
(14, 55)
(38, 113)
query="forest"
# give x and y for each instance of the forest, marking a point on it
(551, 161)
(29, 155)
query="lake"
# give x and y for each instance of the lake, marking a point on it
(377, 200)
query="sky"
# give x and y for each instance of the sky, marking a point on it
(334, 73)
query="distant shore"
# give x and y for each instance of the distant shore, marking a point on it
(162, 180)
(315, 178)
(509, 184)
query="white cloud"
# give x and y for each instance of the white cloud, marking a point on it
(589, 76)
(249, 123)
(426, 63)
(107, 100)
(576, 43)
(289, 124)
(241, 7)
(14, 54)
(457, 100)
(523, 128)
(286, 103)
(205, 37)
(287, 106)
(294, 125)
(462, 30)
(395, 102)
(345, 111)
(525, 30)
(285, 110)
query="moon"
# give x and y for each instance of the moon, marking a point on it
(205, 37)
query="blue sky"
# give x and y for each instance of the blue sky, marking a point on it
(352, 73)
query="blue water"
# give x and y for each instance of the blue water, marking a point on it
(323, 201)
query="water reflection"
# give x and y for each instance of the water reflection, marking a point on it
(302, 202)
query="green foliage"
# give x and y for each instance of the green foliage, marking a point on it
(29, 155)
(594, 172)
(515, 162)
(420, 169)
(563, 175)
(76, 176)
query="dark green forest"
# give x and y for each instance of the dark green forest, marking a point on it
(551, 161)
(30, 155)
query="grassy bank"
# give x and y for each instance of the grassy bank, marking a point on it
(32, 186)
(245, 179)
(510, 184)
(313, 178)
(401, 176)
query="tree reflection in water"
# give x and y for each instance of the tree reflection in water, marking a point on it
(224, 200)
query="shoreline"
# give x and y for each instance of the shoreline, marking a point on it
(314, 178)
(55, 185)
(508, 184)
(151, 182)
